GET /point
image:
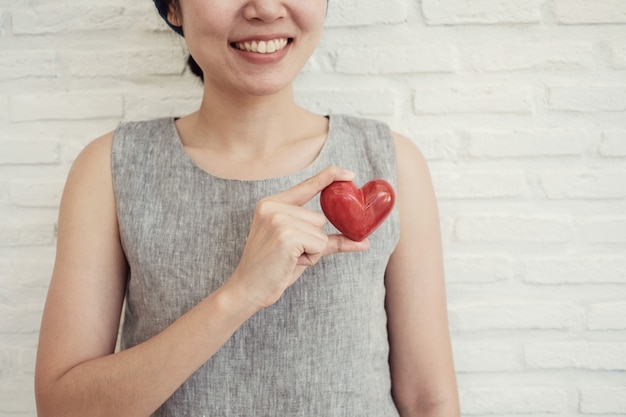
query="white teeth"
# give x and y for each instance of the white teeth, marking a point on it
(262, 47)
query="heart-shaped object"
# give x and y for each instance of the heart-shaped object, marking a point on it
(357, 212)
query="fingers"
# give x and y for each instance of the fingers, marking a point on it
(306, 190)
(276, 212)
(340, 243)
(333, 244)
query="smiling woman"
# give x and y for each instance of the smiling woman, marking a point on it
(171, 11)
(240, 298)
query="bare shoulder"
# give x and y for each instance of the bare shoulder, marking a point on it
(95, 155)
(417, 203)
(88, 203)
(90, 174)
(409, 156)
(88, 215)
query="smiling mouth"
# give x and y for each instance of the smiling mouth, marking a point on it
(262, 47)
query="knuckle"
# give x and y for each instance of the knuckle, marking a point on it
(276, 219)
(319, 219)
(265, 207)
(284, 237)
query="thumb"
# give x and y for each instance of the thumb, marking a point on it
(336, 244)
(307, 189)
(339, 243)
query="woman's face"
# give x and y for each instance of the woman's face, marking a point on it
(251, 46)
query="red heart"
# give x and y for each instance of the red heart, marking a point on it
(357, 212)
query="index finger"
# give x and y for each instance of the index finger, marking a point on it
(309, 188)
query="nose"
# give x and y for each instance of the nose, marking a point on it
(264, 10)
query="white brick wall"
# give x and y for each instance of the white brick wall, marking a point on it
(519, 105)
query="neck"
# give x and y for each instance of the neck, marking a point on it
(238, 123)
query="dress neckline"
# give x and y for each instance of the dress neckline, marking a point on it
(316, 165)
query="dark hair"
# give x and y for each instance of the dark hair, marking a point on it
(195, 68)
(164, 7)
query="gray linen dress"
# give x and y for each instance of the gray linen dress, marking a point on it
(322, 349)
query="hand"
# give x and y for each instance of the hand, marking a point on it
(286, 238)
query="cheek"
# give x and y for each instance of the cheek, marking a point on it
(310, 14)
(205, 18)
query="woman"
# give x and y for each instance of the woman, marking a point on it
(240, 299)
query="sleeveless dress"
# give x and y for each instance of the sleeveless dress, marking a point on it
(322, 349)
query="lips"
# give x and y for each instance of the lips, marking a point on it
(262, 46)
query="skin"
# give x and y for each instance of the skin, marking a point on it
(248, 127)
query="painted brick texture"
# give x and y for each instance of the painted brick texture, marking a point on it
(519, 106)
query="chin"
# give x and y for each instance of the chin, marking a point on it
(262, 88)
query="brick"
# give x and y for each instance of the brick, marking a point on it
(5, 271)
(587, 99)
(20, 318)
(604, 230)
(5, 23)
(17, 396)
(607, 316)
(69, 106)
(357, 13)
(124, 63)
(597, 11)
(506, 400)
(4, 193)
(603, 400)
(486, 357)
(53, 19)
(19, 296)
(27, 152)
(21, 63)
(145, 18)
(515, 315)
(396, 59)
(33, 231)
(455, 12)
(8, 363)
(473, 99)
(462, 269)
(434, 145)
(471, 185)
(597, 356)
(584, 185)
(526, 143)
(613, 143)
(29, 267)
(146, 107)
(533, 56)
(36, 193)
(27, 359)
(509, 228)
(322, 60)
(4, 111)
(577, 269)
(617, 59)
(355, 101)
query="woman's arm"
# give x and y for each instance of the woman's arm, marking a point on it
(78, 373)
(423, 376)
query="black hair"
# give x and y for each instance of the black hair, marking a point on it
(195, 68)
(164, 7)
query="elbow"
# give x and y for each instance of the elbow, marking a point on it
(45, 397)
(415, 404)
(50, 398)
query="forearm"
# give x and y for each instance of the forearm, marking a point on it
(443, 408)
(135, 382)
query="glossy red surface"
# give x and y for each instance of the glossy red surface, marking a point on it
(357, 212)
